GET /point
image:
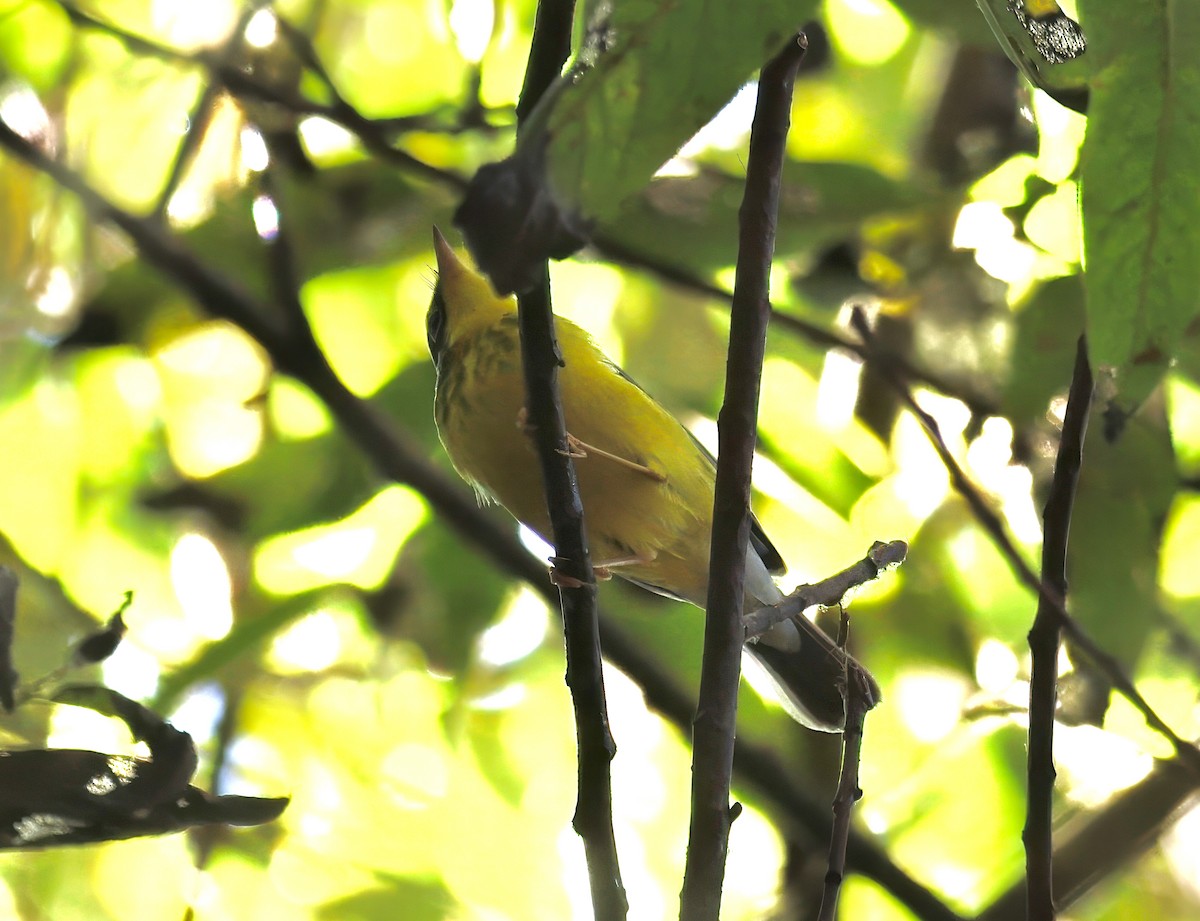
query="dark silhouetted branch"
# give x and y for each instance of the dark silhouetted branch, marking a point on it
(541, 359)
(1092, 847)
(1044, 644)
(848, 791)
(713, 728)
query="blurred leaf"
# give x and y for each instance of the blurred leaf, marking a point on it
(960, 17)
(459, 596)
(258, 623)
(294, 484)
(357, 215)
(993, 812)
(355, 321)
(358, 549)
(35, 42)
(496, 764)
(692, 222)
(404, 60)
(1138, 183)
(1049, 325)
(1125, 489)
(422, 900)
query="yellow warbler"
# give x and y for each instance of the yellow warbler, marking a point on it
(646, 483)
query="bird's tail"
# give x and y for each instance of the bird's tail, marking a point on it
(805, 665)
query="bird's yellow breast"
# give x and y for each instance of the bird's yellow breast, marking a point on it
(629, 514)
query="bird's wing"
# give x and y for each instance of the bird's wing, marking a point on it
(758, 537)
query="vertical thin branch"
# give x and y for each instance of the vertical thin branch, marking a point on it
(1044, 642)
(577, 590)
(547, 53)
(857, 704)
(713, 728)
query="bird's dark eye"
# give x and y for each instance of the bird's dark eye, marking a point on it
(435, 325)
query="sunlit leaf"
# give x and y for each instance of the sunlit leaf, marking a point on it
(1138, 182)
(35, 41)
(1116, 530)
(648, 77)
(1049, 325)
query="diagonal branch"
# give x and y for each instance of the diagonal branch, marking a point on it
(1055, 604)
(1094, 846)
(372, 134)
(828, 592)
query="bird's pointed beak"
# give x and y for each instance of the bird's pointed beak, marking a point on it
(448, 263)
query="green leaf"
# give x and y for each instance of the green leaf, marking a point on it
(496, 764)
(262, 621)
(461, 595)
(651, 74)
(667, 68)
(410, 897)
(1047, 329)
(960, 17)
(1140, 184)
(35, 42)
(1125, 490)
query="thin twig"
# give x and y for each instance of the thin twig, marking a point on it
(199, 119)
(198, 122)
(995, 529)
(8, 622)
(882, 557)
(848, 792)
(1044, 644)
(713, 728)
(373, 135)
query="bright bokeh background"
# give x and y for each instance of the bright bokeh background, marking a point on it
(323, 635)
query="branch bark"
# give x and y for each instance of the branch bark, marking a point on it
(848, 792)
(541, 359)
(713, 728)
(1044, 642)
